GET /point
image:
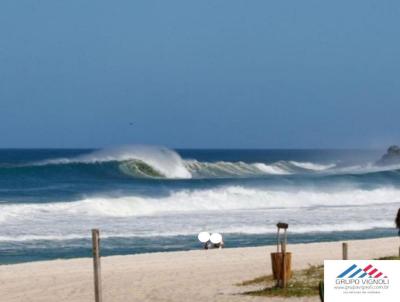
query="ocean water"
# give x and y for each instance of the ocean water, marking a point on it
(149, 199)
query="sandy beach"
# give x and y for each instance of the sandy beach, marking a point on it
(174, 276)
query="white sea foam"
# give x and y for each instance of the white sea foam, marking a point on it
(222, 168)
(272, 169)
(186, 201)
(296, 228)
(232, 209)
(21, 238)
(303, 228)
(313, 166)
(365, 169)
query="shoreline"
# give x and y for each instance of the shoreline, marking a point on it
(126, 246)
(196, 275)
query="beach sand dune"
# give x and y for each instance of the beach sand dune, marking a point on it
(174, 276)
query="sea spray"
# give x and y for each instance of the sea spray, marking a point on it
(155, 199)
(165, 161)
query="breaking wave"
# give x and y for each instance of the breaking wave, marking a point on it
(163, 163)
(187, 201)
(141, 161)
(159, 162)
(229, 209)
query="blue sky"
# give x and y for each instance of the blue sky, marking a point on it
(217, 74)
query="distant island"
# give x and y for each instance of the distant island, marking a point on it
(392, 156)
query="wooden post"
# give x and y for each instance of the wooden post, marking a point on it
(399, 251)
(96, 265)
(345, 254)
(281, 261)
(284, 276)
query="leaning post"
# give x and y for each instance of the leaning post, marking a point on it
(284, 265)
(96, 265)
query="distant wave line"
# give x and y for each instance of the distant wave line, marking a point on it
(163, 163)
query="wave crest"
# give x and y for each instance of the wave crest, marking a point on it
(146, 161)
(160, 162)
(219, 199)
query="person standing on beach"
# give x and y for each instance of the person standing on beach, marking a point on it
(398, 221)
